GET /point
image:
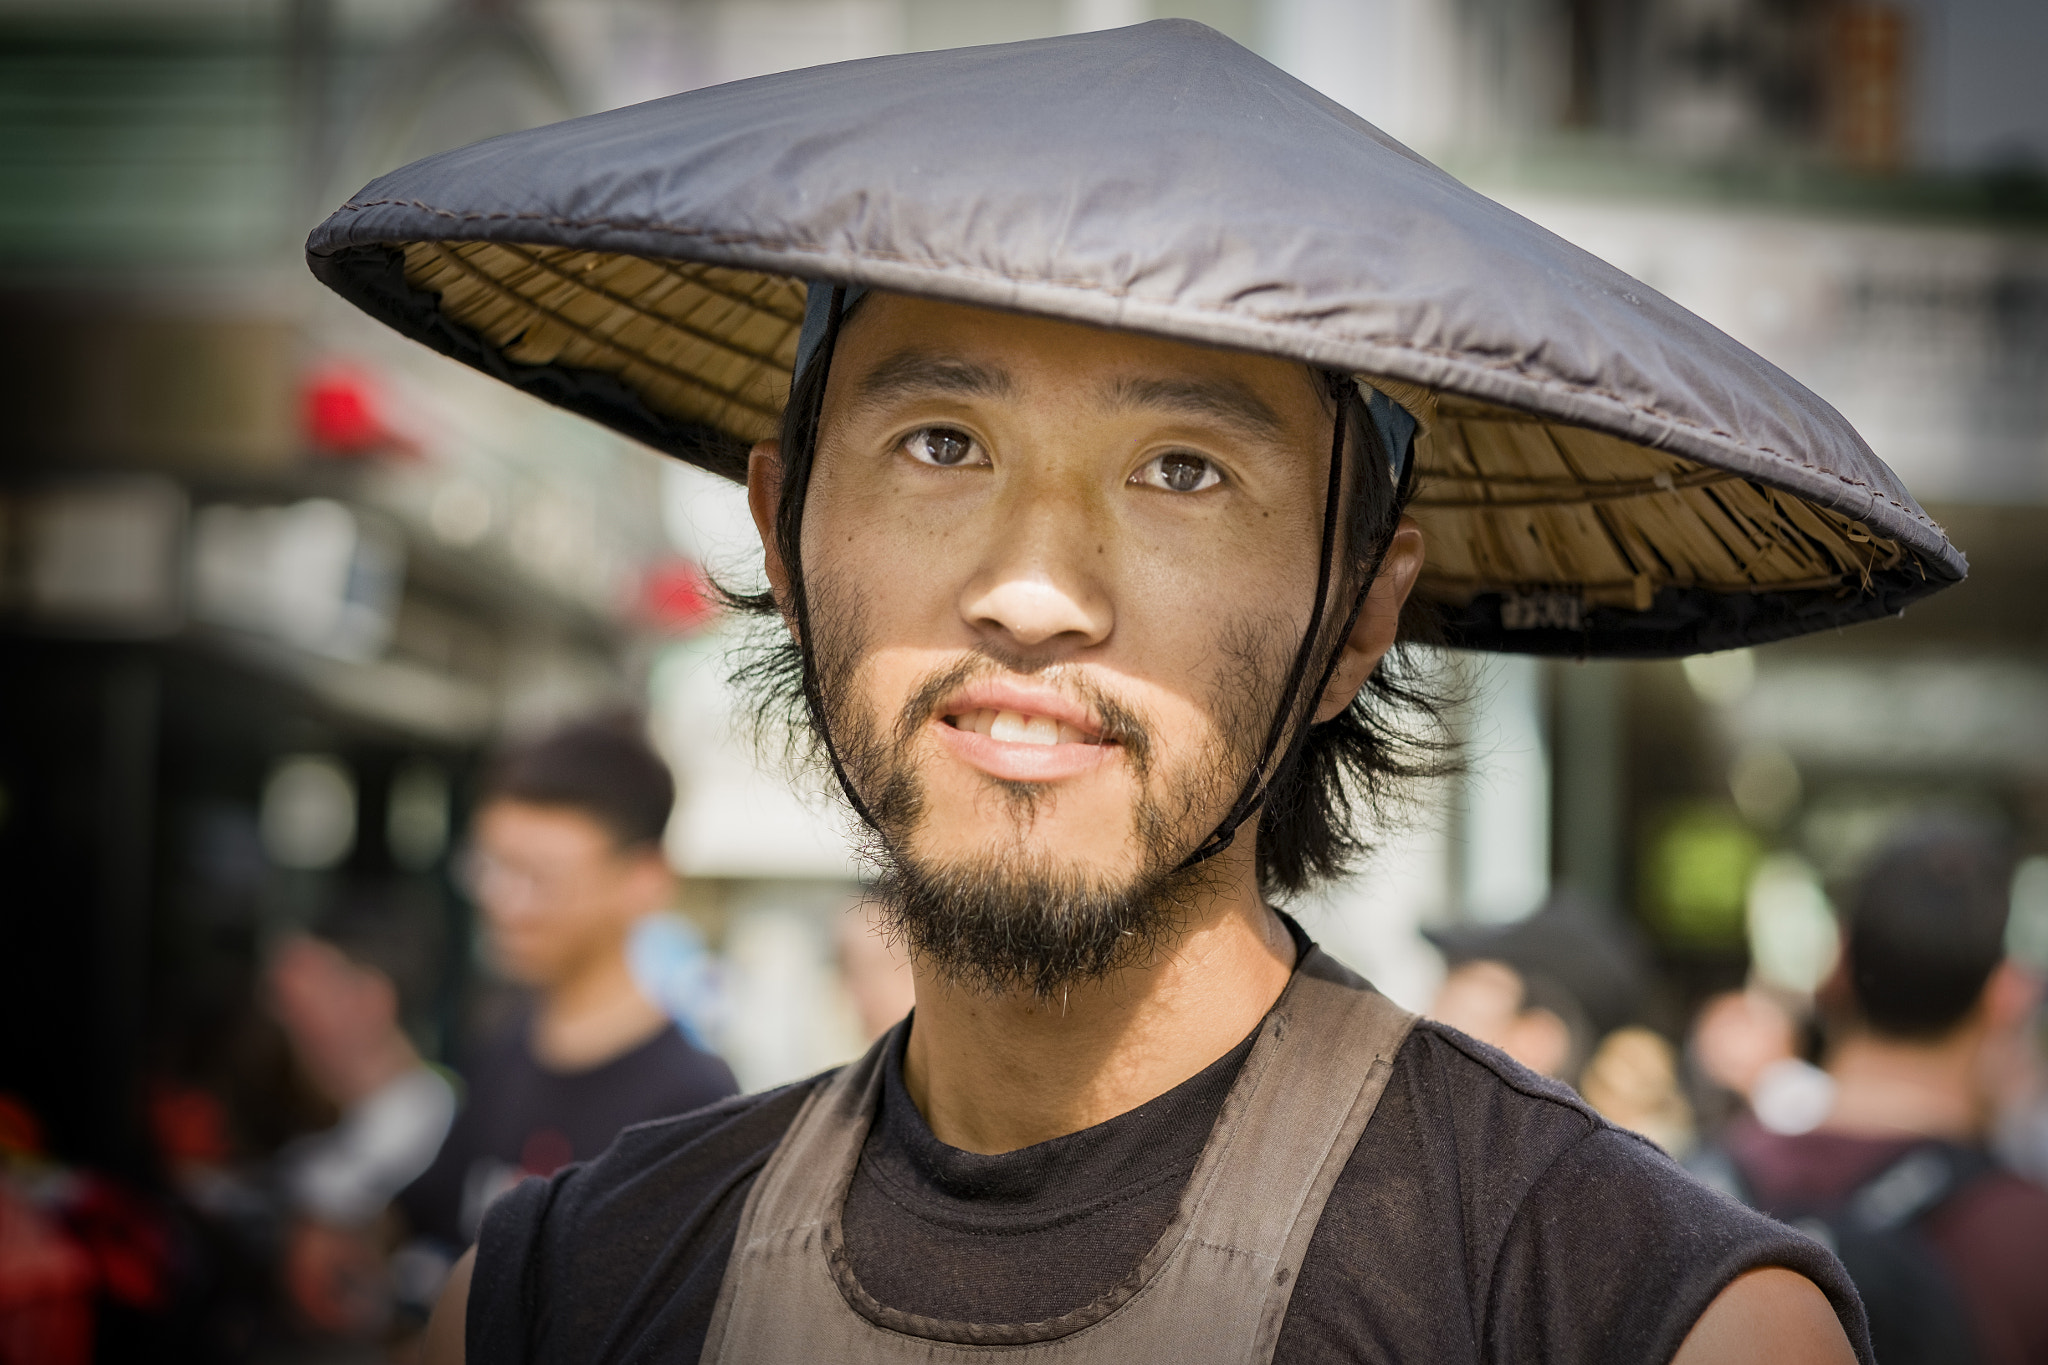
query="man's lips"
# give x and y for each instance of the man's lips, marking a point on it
(1020, 734)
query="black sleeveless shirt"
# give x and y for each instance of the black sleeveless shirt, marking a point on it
(1486, 1215)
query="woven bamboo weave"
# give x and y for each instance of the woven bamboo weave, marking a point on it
(1509, 502)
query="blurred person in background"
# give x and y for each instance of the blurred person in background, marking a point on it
(1544, 989)
(1749, 1045)
(566, 860)
(2022, 1136)
(47, 1278)
(1490, 1000)
(1633, 1079)
(1557, 992)
(1738, 1036)
(335, 991)
(1925, 1018)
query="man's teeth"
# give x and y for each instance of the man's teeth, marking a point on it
(1015, 727)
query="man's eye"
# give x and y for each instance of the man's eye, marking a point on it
(942, 446)
(1179, 472)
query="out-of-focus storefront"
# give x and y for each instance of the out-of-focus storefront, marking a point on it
(270, 583)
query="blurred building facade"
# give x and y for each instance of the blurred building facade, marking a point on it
(270, 582)
(273, 580)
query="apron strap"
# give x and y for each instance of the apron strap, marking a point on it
(1215, 1286)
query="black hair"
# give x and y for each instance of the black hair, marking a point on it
(1926, 927)
(603, 767)
(1359, 763)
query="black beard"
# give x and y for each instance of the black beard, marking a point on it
(1015, 921)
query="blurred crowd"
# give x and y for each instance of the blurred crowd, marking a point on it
(1899, 1113)
(279, 1235)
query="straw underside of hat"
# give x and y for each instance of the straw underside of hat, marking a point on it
(1509, 502)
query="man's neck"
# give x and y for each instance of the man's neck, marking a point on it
(593, 1014)
(1891, 1088)
(993, 1074)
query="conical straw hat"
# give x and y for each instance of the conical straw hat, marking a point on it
(1600, 472)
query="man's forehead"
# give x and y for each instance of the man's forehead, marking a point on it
(894, 347)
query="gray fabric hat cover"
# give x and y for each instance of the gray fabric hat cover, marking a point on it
(1599, 471)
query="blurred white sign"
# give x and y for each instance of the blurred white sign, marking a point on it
(1506, 827)
(309, 574)
(740, 814)
(1793, 938)
(103, 555)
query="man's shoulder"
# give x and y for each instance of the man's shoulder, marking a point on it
(1462, 1140)
(715, 1142)
(1513, 1134)
(1488, 1204)
(1454, 1083)
(629, 1247)
(660, 1173)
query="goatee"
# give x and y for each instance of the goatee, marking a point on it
(1009, 917)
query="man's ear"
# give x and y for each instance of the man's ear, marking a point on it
(1378, 621)
(764, 497)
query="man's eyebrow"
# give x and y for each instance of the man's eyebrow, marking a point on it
(918, 374)
(1220, 400)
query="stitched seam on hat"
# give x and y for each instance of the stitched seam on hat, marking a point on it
(1502, 366)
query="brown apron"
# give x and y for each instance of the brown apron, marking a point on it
(1213, 1288)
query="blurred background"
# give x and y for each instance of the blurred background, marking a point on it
(274, 584)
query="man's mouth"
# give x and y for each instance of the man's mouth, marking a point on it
(1021, 733)
(1020, 727)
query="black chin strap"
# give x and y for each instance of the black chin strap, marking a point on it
(814, 697)
(1283, 739)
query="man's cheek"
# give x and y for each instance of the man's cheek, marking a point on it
(885, 680)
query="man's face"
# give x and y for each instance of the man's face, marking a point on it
(555, 888)
(1056, 576)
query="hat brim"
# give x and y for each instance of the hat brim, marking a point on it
(1544, 537)
(1604, 472)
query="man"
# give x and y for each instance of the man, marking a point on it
(566, 859)
(1006, 529)
(1928, 1016)
(1090, 604)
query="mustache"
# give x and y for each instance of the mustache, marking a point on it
(1123, 724)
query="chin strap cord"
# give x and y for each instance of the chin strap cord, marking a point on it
(1400, 435)
(1274, 759)
(814, 697)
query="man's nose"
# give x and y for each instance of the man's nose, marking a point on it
(1041, 581)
